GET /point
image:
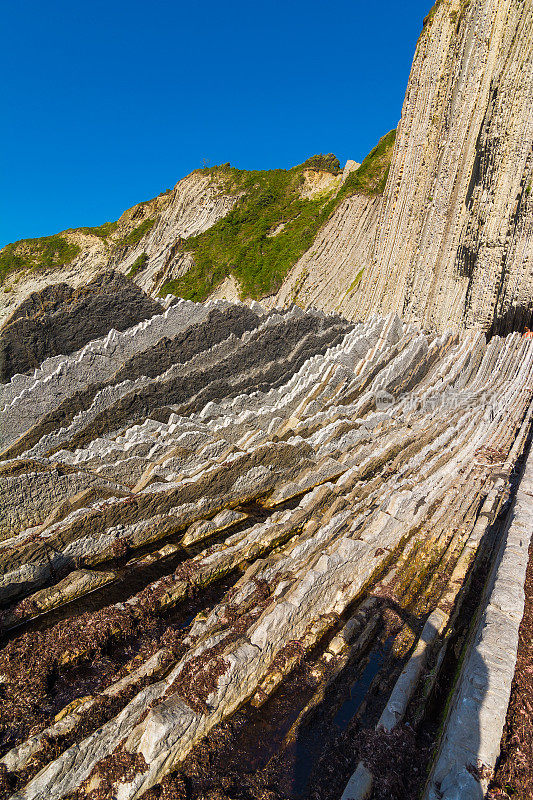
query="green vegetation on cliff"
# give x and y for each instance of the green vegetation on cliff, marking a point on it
(54, 252)
(138, 265)
(371, 176)
(47, 252)
(246, 243)
(135, 236)
(271, 226)
(327, 162)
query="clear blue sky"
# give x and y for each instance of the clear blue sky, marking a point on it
(106, 104)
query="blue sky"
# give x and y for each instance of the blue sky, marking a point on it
(106, 104)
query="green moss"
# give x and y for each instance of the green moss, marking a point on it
(47, 252)
(371, 176)
(356, 281)
(135, 236)
(353, 286)
(138, 265)
(299, 284)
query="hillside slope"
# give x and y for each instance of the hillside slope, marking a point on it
(216, 223)
(76, 256)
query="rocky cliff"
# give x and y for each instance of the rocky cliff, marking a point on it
(454, 242)
(163, 244)
(450, 243)
(445, 241)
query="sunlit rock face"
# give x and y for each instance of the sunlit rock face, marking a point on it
(449, 243)
(268, 467)
(454, 242)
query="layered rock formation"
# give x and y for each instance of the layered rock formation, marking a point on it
(222, 524)
(450, 242)
(328, 276)
(198, 502)
(455, 231)
(147, 243)
(59, 320)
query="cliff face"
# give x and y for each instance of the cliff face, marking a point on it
(150, 228)
(453, 246)
(445, 242)
(277, 213)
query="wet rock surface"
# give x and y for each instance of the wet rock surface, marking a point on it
(234, 541)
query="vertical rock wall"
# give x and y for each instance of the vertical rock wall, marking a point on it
(453, 246)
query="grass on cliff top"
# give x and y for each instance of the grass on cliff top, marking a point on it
(326, 162)
(102, 231)
(53, 252)
(47, 252)
(370, 178)
(242, 243)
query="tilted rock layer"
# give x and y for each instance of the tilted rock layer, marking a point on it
(296, 456)
(59, 320)
(453, 242)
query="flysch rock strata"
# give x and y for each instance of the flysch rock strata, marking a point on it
(470, 744)
(448, 244)
(269, 467)
(445, 245)
(60, 320)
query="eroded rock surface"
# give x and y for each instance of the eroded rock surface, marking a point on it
(59, 320)
(199, 500)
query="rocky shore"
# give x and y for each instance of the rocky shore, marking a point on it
(222, 502)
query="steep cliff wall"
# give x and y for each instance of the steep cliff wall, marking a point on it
(455, 229)
(328, 275)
